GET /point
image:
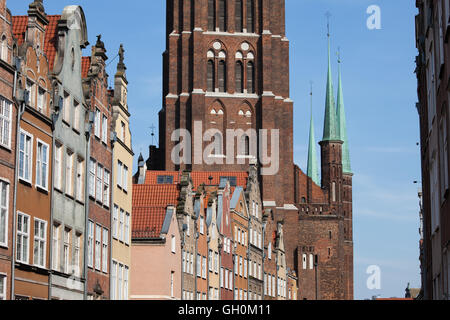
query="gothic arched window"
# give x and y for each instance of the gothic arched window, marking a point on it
(239, 76)
(250, 77)
(250, 16)
(222, 73)
(210, 76)
(212, 15)
(4, 49)
(222, 15)
(238, 16)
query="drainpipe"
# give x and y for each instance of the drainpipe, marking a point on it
(111, 209)
(20, 111)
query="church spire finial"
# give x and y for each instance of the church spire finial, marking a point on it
(313, 168)
(342, 126)
(330, 126)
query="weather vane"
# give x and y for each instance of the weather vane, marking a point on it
(152, 127)
(339, 55)
(328, 15)
(311, 94)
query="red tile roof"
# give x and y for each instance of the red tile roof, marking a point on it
(85, 65)
(51, 39)
(198, 177)
(155, 195)
(19, 28)
(147, 222)
(51, 35)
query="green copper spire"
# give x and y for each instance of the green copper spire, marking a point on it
(346, 167)
(330, 129)
(313, 168)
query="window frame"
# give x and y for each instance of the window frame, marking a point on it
(23, 234)
(4, 207)
(40, 239)
(40, 164)
(5, 119)
(105, 241)
(28, 163)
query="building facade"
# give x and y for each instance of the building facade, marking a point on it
(122, 197)
(433, 71)
(8, 129)
(225, 228)
(95, 87)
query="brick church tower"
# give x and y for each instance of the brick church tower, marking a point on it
(226, 66)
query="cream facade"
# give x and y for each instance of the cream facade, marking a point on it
(122, 187)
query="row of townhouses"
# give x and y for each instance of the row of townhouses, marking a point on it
(205, 236)
(65, 161)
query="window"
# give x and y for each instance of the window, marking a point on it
(221, 277)
(106, 178)
(202, 225)
(231, 280)
(435, 214)
(304, 261)
(55, 249)
(113, 280)
(25, 155)
(105, 129)
(127, 228)
(250, 16)
(222, 76)
(164, 180)
(119, 173)
(2, 287)
(443, 155)
(105, 250)
(250, 77)
(236, 265)
(90, 244)
(120, 295)
(210, 77)
(66, 251)
(76, 117)
(4, 212)
(77, 255)
(238, 16)
(122, 131)
(222, 15)
(216, 262)
(99, 183)
(204, 268)
(210, 260)
(80, 180)
(40, 242)
(173, 244)
(239, 75)
(41, 100)
(31, 88)
(23, 232)
(245, 268)
(92, 168)
(115, 221)
(121, 225)
(192, 263)
(5, 122)
(199, 270)
(66, 108)
(240, 266)
(98, 238)
(211, 15)
(226, 279)
(97, 123)
(58, 166)
(125, 178)
(171, 284)
(4, 57)
(269, 251)
(69, 172)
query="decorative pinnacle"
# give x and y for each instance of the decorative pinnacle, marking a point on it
(328, 15)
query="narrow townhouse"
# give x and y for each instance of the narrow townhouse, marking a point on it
(226, 247)
(200, 207)
(292, 287)
(281, 262)
(95, 87)
(35, 150)
(66, 36)
(155, 272)
(270, 260)
(240, 218)
(122, 193)
(213, 239)
(256, 234)
(8, 123)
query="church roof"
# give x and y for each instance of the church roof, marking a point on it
(342, 126)
(330, 129)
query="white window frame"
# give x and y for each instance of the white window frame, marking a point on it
(40, 239)
(106, 190)
(41, 164)
(226, 279)
(77, 254)
(120, 282)
(198, 265)
(66, 107)
(105, 129)
(92, 178)
(4, 211)
(105, 241)
(3, 287)
(98, 247)
(41, 100)
(31, 88)
(114, 280)
(125, 282)
(173, 244)
(66, 254)
(58, 165)
(80, 180)
(56, 242)
(99, 183)
(126, 232)
(121, 225)
(119, 173)
(5, 118)
(90, 244)
(125, 178)
(76, 117)
(204, 267)
(26, 153)
(23, 234)
(115, 222)
(70, 156)
(97, 123)
(202, 225)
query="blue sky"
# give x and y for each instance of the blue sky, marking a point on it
(380, 95)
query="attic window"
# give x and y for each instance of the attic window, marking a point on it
(164, 180)
(232, 180)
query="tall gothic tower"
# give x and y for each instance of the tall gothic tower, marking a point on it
(226, 66)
